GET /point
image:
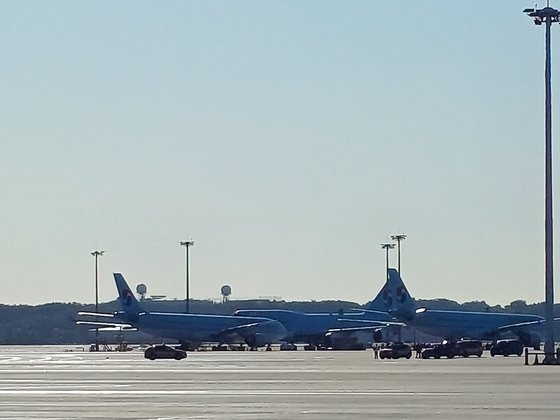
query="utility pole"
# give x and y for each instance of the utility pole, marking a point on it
(187, 244)
(548, 16)
(400, 237)
(387, 247)
(97, 254)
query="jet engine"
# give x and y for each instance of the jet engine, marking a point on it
(257, 340)
(387, 334)
(378, 335)
(349, 340)
(530, 340)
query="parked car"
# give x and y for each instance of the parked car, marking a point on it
(468, 348)
(507, 347)
(162, 351)
(395, 351)
(446, 348)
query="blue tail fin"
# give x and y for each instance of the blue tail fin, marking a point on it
(126, 297)
(394, 298)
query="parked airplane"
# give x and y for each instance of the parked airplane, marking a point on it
(395, 299)
(338, 330)
(189, 329)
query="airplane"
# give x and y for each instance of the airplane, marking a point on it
(395, 299)
(188, 329)
(337, 330)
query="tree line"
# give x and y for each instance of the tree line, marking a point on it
(54, 323)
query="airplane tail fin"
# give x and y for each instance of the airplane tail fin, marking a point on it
(128, 302)
(394, 297)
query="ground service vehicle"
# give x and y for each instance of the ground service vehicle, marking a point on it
(507, 347)
(395, 351)
(162, 351)
(468, 348)
(445, 349)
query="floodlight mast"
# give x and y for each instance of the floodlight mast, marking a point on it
(548, 16)
(387, 247)
(187, 244)
(97, 254)
(400, 237)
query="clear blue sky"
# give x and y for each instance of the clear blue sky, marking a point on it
(287, 139)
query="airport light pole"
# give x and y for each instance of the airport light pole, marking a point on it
(387, 247)
(187, 244)
(548, 16)
(400, 237)
(97, 254)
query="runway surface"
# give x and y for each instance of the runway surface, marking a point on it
(51, 383)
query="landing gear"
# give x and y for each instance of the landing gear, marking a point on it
(187, 347)
(219, 347)
(288, 347)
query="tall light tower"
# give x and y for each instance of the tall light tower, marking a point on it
(187, 244)
(400, 237)
(548, 16)
(97, 254)
(387, 247)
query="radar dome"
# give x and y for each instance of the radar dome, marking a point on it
(226, 290)
(141, 289)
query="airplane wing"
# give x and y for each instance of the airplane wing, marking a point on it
(519, 325)
(104, 325)
(98, 314)
(369, 311)
(240, 328)
(118, 329)
(368, 325)
(353, 329)
(373, 323)
(123, 326)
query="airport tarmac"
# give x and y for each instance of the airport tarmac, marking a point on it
(51, 383)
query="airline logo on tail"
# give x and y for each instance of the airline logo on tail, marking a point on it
(393, 297)
(400, 296)
(127, 297)
(387, 297)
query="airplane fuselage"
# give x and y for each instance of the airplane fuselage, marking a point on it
(312, 327)
(189, 328)
(459, 324)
